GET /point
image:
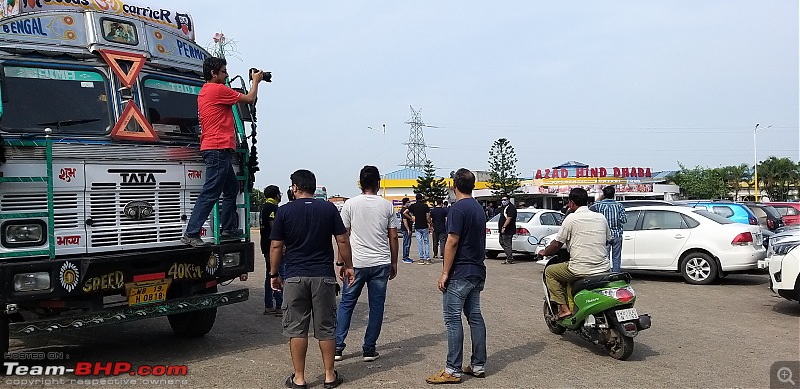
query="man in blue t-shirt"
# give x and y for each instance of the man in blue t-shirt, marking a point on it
(439, 219)
(462, 280)
(304, 227)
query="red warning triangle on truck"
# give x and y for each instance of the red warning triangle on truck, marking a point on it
(140, 129)
(113, 59)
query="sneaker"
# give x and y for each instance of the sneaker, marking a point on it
(422, 262)
(443, 378)
(338, 355)
(370, 356)
(269, 311)
(408, 261)
(231, 235)
(194, 241)
(278, 312)
(474, 373)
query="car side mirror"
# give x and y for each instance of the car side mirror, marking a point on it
(532, 240)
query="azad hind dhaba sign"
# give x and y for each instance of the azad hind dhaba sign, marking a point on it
(615, 172)
(175, 22)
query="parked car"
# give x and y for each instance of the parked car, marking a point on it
(783, 262)
(699, 244)
(641, 203)
(768, 217)
(739, 213)
(789, 211)
(531, 222)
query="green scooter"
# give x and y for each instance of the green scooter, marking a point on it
(602, 307)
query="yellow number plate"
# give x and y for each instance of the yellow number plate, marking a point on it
(148, 292)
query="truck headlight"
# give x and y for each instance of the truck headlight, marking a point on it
(29, 282)
(231, 259)
(23, 233)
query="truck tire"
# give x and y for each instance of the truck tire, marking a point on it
(4, 336)
(196, 323)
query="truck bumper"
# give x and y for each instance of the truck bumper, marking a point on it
(126, 314)
(82, 282)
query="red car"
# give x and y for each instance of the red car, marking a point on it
(789, 211)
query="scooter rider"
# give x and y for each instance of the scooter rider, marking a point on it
(585, 233)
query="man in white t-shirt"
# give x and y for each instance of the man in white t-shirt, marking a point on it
(371, 222)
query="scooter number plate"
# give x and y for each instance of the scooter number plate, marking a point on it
(627, 314)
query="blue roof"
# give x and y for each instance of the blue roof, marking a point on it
(405, 174)
(571, 164)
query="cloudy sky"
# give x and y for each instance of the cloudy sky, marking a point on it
(607, 83)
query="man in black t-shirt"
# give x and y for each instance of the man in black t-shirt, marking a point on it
(405, 229)
(507, 226)
(304, 227)
(420, 213)
(462, 280)
(272, 299)
(439, 219)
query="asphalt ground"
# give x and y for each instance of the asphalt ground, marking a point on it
(723, 335)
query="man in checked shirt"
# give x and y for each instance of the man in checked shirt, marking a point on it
(614, 213)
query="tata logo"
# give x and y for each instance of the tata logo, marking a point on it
(138, 210)
(138, 178)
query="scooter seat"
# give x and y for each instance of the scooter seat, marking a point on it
(598, 280)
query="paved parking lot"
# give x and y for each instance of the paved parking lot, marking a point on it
(721, 335)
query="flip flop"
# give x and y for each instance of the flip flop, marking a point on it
(562, 317)
(291, 385)
(336, 382)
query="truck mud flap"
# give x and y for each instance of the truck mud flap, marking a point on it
(127, 314)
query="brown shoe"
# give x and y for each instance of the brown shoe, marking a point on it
(478, 374)
(443, 378)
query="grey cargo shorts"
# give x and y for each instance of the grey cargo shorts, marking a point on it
(301, 297)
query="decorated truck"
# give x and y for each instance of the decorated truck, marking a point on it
(100, 168)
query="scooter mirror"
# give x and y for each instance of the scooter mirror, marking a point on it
(532, 240)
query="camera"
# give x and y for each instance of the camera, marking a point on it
(267, 75)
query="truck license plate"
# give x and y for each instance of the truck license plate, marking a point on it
(627, 314)
(148, 292)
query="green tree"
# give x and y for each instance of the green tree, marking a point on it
(700, 182)
(776, 176)
(257, 200)
(430, 187)
(503, 178)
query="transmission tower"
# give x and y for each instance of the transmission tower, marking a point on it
(415, 157)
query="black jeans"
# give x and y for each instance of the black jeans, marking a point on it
(438, 243)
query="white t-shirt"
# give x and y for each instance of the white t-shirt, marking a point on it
(369, 218)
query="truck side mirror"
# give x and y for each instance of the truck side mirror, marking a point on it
(247, 111)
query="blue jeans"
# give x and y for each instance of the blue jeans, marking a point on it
(464, 295)
(406, 244)
(615, 252)
(423, 244)
(375, 278)
(220, 179)
(270, 294)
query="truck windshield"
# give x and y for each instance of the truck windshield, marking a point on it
(67, 101)
(172, 107)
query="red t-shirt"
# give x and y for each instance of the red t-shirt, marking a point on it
(216, 116)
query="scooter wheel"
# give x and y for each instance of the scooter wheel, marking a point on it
(551, 322)
(619, 346)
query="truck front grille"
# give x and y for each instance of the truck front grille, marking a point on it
(110, 226)
(65, 206)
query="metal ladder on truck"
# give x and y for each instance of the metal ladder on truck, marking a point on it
(50, 214)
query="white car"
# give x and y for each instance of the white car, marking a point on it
(531, 222)
(783, 260)
(701, 245)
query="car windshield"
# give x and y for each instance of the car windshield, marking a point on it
(522, 217)
(713, 216)
(69, 101)
(172, 107)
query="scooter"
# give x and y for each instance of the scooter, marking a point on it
(602, 310)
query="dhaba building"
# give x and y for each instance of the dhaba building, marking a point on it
(549, 187)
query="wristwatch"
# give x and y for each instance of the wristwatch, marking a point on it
(276, 275)
(339, 263)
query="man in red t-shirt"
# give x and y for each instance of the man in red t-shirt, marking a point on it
(217, 146)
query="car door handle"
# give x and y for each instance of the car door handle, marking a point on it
(679, 236)
(627, 238)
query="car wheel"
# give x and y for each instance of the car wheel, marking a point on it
(492, 254)
(699, 269)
